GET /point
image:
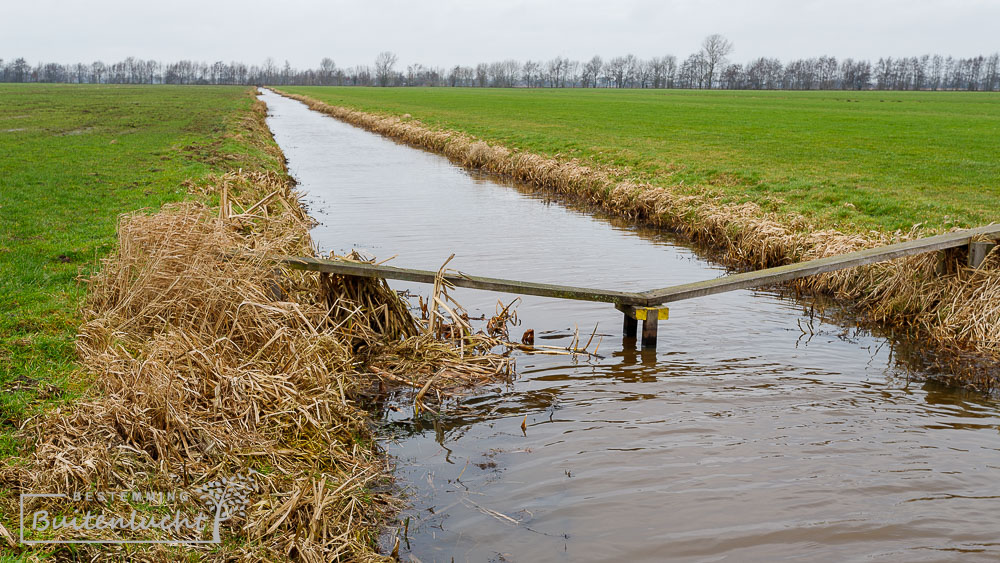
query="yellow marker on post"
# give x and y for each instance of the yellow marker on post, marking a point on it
(643, 313)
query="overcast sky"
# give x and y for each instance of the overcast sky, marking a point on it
(448, 32)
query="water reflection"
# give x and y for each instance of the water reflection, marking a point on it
(762, 427)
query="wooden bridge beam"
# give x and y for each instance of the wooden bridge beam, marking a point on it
(647, 306)
(366, 270)
(770, 276)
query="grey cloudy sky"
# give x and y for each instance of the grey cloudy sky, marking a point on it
(449, 32)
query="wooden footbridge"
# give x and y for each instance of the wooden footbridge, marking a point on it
(647, 306)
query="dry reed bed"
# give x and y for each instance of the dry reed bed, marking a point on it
(957, 314)
(210, 362)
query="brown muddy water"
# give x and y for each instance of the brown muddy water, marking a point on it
(758, 431)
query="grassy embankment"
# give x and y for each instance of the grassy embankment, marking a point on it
(897, 158)
(72, 158)
(765, 177)
(196, 360)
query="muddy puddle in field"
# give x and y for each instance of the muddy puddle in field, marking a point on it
(758, 430)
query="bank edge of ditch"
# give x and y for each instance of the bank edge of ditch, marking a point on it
(955, 314)
(211, 365)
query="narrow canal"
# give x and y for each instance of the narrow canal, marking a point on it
(757, 431)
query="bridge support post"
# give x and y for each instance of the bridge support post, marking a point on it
(649, 325)
(948, 261)
(978, 252)
(650, 317)
(630, 327)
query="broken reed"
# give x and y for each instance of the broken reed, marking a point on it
(957, 314)
(208, 366)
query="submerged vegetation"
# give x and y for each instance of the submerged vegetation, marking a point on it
(956, 310)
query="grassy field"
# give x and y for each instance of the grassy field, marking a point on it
(852, 160)
(72, 158)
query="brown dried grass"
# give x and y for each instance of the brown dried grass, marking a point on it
(211, 361)
(956, 313)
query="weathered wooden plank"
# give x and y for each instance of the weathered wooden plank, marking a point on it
(780, 274)
(656, 296)
(460, 280)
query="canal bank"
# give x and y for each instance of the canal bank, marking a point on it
(222, 391)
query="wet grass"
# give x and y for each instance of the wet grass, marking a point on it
(72, 158)
(855, 161)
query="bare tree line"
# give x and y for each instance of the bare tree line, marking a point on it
(708, 68)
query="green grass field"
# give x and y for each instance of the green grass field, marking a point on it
(851, 160)
(72, 158)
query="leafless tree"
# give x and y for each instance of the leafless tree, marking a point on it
(557, 70)
(413, 73)
(669, 63)
(617, 71)
(714, 50)
(327, 70)
(630, 71)
(656, 72)
(270, 71)
(482, 75)
(991, 80)
(384, 63)
(509, 71)
(643, 74)
(591, 72)
(731, 77)
(826, 71)
(97, 71)
(532, 74)
(693, 72)
(503, 74)
(571, 73)
(80, 69)
(697, 71)
(461, 76)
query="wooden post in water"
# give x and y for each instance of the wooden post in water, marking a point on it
(630, 327)
(649, 325)
(650, 317)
